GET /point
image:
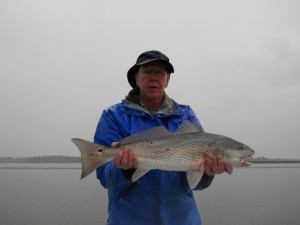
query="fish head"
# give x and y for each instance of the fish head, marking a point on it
(231, 150)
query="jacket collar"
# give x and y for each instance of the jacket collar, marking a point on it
(133, 100)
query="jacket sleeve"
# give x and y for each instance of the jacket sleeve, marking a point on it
(205, 182)
(108, 131)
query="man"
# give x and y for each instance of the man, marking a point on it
(159, 197)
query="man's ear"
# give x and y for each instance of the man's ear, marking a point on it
(168, 78)
(135, 79)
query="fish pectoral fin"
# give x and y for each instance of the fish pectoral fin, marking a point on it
(194, 178)
(140, 171)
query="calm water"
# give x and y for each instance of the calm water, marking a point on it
(52, 194)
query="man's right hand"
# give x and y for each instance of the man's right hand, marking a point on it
(125, 159)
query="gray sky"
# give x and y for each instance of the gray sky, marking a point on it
(237, 63)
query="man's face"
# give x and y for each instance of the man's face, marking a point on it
(152, 79)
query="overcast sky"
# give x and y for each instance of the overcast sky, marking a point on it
(237, 63)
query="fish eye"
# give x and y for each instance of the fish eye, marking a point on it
(241, 147)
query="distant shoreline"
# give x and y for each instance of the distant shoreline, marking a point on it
(41, 159)
(275, 161)
(69, 159)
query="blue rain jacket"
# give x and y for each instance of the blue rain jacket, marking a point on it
(159, 197)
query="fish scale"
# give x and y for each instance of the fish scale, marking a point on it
(173, 152)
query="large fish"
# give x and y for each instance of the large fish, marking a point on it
(158, 148)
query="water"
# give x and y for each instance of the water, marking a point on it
(261, 195)
(52, 194)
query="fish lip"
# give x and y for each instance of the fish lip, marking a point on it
(247, 154)
(244, 160)
(246, 157)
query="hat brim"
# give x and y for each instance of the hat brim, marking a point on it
(131, 76)
(131, 72)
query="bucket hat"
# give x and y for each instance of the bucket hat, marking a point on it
(147, 57)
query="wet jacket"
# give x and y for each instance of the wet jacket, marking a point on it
(159, 197)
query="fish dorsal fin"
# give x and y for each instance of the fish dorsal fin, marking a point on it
(153, 133)
(187, 127)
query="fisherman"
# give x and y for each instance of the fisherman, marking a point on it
(158, 197)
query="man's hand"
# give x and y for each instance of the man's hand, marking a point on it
(216, 165)
(125, 159)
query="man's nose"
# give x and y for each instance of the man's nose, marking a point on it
(154, 73)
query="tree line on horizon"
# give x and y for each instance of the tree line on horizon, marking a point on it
(41, 159)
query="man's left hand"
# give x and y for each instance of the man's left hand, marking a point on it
(216, 165)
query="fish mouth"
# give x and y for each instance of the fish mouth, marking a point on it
(244, 161)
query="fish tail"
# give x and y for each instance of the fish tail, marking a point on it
(91, 155)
